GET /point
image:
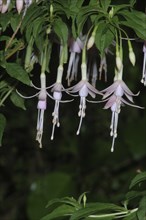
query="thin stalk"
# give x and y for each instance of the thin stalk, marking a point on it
(6, 96)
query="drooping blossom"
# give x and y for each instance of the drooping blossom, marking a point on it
(57, 89)
(115, 97)
(83, 88)
(143, 80)
(41, 106)
(76, 47)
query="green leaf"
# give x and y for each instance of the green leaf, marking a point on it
(2, 126)
(66, 200)
(138, 179)
(132, 2)
(105, 4)
(32, 13)
(104, 37)
(38, 23)
(95, 208)
(142, 209)
(16, 71)
(61, 30)
(17, 100)
(133, 19)
(134, 194)
(15, 20)
(132, 216)
(5, 20)
(63, 210)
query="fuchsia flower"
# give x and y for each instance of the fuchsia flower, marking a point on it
(83, 88)
(57, 90)
(41, 106)
(143, 80)
(114, 97)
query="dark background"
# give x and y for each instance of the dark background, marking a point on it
(70, 165)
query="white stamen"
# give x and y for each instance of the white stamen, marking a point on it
(143, 80)
(40, 122)
(55, 120)
(81, 112)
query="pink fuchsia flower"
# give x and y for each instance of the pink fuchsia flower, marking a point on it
(114, 97)
(83, 88)
(57, 90)
(41, 106)
(143, 80)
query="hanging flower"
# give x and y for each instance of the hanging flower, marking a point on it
(143, 80)
(83, 88)
(57, 89)
(41, 106)
(114, 97)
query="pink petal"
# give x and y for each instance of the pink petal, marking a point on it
(127, 103)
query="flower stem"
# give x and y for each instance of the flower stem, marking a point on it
(6, 96)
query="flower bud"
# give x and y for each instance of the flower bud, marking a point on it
(111, 12)
(131, 53)
(19, 5)
(118, 62)
(5, 7)
(132, 57)
(90, 42)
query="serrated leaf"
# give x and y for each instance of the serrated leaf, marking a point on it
(16, 71)
(63, 210)
(2, 126)
(17, 100)
(138, 179)
(141, 214)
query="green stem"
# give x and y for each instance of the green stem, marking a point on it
(6, 96)
(44, 57)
